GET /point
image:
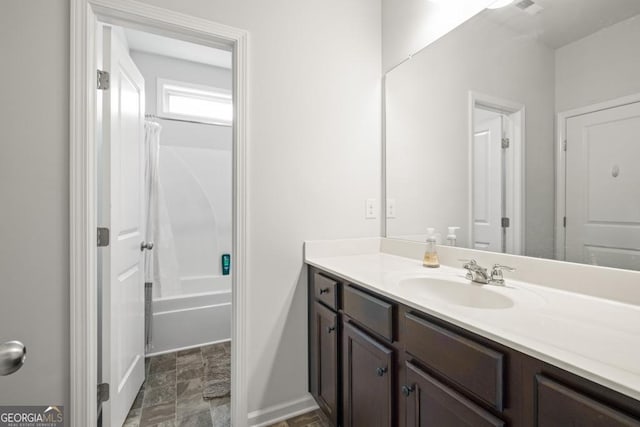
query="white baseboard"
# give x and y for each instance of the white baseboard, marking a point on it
(281, 412)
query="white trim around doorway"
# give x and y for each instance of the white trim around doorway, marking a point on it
(85, 15)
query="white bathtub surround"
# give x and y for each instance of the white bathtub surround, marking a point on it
(580, 318)
(194, 217)
(190, 321)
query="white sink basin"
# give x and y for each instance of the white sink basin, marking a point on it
(456, 293)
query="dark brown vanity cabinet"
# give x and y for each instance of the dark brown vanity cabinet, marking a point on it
(324, 348)
(367, 379)
(377, 363)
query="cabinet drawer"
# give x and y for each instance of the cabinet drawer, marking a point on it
(558, 405)
(325, 290)
(372, 312)
(431, 403)
(472, 366)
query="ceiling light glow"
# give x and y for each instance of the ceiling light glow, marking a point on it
(499, 3)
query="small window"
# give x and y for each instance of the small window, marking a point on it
(179, 100)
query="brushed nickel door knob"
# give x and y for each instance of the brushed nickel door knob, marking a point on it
(12, 357)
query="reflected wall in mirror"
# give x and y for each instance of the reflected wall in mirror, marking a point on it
(522, 127)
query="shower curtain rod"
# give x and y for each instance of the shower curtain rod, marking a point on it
(153, 116)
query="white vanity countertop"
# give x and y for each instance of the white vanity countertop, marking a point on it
(592, 337)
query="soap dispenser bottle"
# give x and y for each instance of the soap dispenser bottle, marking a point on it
(451, 236)
(431, 254)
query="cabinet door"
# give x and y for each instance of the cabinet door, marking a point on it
(368, 380)
(325, 362)
(430, 403)
(561, 406)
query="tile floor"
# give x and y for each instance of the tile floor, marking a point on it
(311, 419)
(171, 396)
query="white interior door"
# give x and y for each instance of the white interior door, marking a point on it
(487, 185)
(122, 270)
(603, 188)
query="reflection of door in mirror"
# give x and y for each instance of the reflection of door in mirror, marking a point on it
(488, 181)
(495, 152)
(602, 181)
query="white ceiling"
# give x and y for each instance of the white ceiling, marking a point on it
(152, 43)
(564, 21)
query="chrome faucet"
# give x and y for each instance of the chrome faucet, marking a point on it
(475, 273)
(479, 274)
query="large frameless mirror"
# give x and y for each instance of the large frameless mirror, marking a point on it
(519, 132)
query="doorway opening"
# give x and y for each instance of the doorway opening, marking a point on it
(165, 195)
(116, 112)
(496, 179)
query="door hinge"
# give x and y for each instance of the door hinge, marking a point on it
(103, 80)
(564, 145)
(103, 392)
(564, 222)
(505, 142)
(505, 222)
(103, 237)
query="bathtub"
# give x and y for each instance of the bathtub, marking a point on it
(192, 320)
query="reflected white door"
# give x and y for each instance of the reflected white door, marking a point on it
(603, 188)
(487, 185)
(122, 272)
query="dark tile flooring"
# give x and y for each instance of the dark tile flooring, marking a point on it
(171, 396)
(311, 419)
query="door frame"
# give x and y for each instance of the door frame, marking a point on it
(518, 134)
(84, 18)
(561, 161)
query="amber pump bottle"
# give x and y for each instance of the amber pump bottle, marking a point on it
(431, 253)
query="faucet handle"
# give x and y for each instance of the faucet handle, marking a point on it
(501, 267)
(468, 265)
(496, 273)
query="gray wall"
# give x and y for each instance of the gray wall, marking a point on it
(599, 67)
(34, 197)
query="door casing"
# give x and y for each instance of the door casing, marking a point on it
(85, 15)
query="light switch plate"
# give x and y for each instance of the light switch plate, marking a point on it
(391, 208)
(370, 209)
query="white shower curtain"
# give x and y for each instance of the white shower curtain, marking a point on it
(152, 150)
(152, 147)
(161, 263)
